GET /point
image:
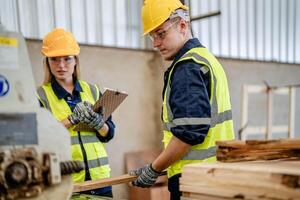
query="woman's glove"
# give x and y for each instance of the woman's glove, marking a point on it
(83, 112)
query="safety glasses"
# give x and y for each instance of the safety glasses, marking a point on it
(161, 34)
(64, 59)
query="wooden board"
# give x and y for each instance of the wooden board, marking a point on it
(248, 180)
(235, 151)
(110, 100)
(261, 144)
(89, 185)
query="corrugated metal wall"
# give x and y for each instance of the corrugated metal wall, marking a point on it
(103, 22)
(267, 30)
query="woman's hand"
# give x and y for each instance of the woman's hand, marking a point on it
(84, 113)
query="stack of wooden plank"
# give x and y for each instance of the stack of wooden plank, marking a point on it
(263, 180)
(233, 151)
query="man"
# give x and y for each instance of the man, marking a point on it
(196, 104)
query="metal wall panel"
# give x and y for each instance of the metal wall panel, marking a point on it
(266, 30)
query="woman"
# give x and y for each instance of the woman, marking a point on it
(70, 99)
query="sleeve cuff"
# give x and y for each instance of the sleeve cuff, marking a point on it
(111, 131)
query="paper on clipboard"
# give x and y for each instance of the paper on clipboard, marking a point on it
(110, 100)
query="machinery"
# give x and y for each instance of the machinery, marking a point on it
(35, 149)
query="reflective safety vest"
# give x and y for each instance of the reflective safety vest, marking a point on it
(84, 144)
(221, 124)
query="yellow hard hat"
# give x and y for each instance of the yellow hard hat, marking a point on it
(60, 43)
(156, 12)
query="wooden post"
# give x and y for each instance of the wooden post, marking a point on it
(292, 94)
(244, 112)
(269, 114)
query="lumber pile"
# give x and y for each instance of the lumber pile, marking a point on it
(235, 151)
(263, 180)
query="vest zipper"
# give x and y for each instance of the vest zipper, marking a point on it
(87, 171)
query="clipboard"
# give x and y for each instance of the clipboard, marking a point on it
(110, 100)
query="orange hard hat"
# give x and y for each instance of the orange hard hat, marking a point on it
(156, 12)
(60, 43)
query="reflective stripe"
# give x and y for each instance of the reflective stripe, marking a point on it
(216, 117)
(42, 94)
(98, 162)
(221, 117)
(191, 121)
(196, 56)
(204, 70)
(94, 91)
(165, 127)
(200, 154)
(199, 59)
(187, 121)
(169, 111)
(85, 139)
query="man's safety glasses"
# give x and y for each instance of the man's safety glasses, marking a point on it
(160, 34)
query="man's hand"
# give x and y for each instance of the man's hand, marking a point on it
(146, 176)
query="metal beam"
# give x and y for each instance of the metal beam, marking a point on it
(205, 16)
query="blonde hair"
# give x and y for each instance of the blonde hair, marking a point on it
(48, 75)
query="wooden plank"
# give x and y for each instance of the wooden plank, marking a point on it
(244, 114)
(193, 196)
(277, 167)
(262, 144)
(260, 89)
(284, 183)
(281, 91)
(257, 130)
(292, 112)
(252, 155)
(268, 135)
(89, 185)
(228, 191)
(235, 151)
(246, 180)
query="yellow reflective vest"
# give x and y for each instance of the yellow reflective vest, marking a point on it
(84, 144)
(221, 124)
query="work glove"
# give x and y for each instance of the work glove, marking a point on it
(96, 119)
(80, 112)
(83, 112)
(146, 176)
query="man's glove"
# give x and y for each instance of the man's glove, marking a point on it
(146, 176)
